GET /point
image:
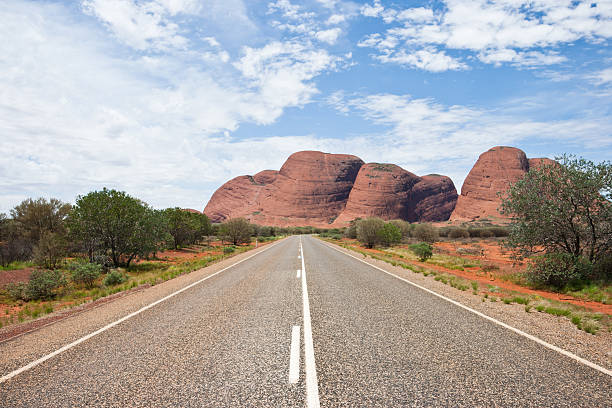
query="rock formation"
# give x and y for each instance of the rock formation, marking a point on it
(321, 189)
(390, 192)
(493, 173)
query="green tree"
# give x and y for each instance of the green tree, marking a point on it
(39, 216)
(563, 207)
(13, 245)
(51, 250)
(116, 223)
(236, 230)
(423, 250)
(368, 231)
(390, 234)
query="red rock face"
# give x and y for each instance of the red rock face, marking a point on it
(493, 173)
(324, 190)
(435, 198)
(310, 189)
(389, 192)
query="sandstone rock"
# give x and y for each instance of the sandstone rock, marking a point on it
(493, 173)
(389, 192)
(435, 198)
(324, 190)
(310, 189)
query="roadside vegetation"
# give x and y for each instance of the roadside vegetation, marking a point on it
(108, 242)
(558, 240)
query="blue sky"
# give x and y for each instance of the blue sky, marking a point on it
(168, 99)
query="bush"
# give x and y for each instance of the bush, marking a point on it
(404, 227)
(390, 234)
(423, 250)
(114, 277)
(17, 290)
(50, 250)
(43, 284)
(486, 233)
(458, 233)
(228, 249)
(367, 231)
(104, 261)
(86, 274)
(557, 269)
(426, 233)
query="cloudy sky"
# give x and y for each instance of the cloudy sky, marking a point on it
(167, 99)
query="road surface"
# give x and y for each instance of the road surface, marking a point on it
(296, 324)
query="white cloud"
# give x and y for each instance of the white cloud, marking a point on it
(603, 77)
(140, 25)
(428, 59)
(328, 36)
(511, 31)
(421, 133)
(336, 19)
(373, 10)
(78, 115)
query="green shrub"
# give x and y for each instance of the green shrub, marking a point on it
(86, 274)
(390, 234)
(43, 284)
(423, 250)
(458, 233)
(114, 277)
(368, 231)
(228, 249)
(426, 233)
(558, 269)
(17, 290)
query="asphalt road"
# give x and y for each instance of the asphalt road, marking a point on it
(363, 339)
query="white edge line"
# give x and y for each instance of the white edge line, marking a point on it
(312, 384)
(299, 273)
(484, 316)
(115, 323)
(294, 356)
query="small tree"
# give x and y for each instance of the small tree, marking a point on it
(564, 207)
(423, 250)
(390, 234)
(50, 251)
(117, 223)
(236, 230)
(426, 233)
(39, 216)
(368, 231)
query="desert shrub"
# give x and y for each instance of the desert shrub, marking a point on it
(486, 233)
(114, 277)
(50, 250)
(228, 249)
(43, 284)
(444, 231)
(557, 269)
(390, 234)
(500, 231)
(426, 233)
(104, 261)
(351, 231)
(423, 250)
(458, 233)
(86, 274)
(17, 290)
(367, 231)
(404, 227)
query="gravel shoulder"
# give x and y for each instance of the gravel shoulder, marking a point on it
(557, 331)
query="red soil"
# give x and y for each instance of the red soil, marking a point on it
(493, 255)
